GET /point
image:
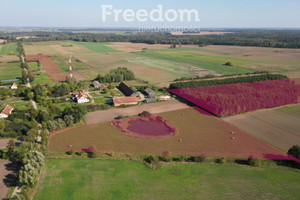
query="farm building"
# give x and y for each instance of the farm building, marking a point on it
(164, 98)
(127, 91)
(96, 84)
(14, 86)
(6, 111)
(149, 100)
(132, 100)
(80, 97)
(150, 93)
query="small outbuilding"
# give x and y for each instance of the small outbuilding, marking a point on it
(14, 86)
(96, 84)
(149, 100)
(132, 100)
(150, 93)
(6, 111)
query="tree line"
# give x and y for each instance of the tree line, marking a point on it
(260, 38)
(263, 77)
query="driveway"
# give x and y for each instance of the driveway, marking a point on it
(154, 108)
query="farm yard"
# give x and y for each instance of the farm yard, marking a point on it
(111, 179)
(279, 126)
(197, 134)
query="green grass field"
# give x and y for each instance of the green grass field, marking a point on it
(33, 66)
(107, 179)
(41, 79)
(6, 49)
(214, 63)
(98, 47)
(10, 70)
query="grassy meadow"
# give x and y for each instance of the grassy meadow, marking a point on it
(10, 70)
(8, 48)
(98, 47)
(117, 180)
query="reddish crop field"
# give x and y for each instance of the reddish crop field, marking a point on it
(229, 99)
(53, 71)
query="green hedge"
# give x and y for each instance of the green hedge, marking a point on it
(264, 77)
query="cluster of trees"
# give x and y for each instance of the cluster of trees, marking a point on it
(26, 74)
(263, 77)
(116, 75)
(70, 115)
(239, 37)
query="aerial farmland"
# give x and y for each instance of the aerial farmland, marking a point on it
(132, 110)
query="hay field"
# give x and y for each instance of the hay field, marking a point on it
(279, 127)
(10, 70)
(72, 179)
(200, 134)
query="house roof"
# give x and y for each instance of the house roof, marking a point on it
(7, 110)
(15, 84)
(149, 91)
(126, 89)
(125, 100)
(150, 100)
(96, 83)
(80, 94)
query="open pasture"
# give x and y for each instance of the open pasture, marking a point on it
(9, 49)
(70, 179)
(98, 47)
(197, 134)
(270, 59)
(279, 127)
(214, 63)
(10, 70)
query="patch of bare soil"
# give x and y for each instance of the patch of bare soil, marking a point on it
(8, 177)
(78, 76)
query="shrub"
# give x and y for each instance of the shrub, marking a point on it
(295, 151)
(255, 162)
(144, 113)
(166, 158)
(70, 152)
(92, 155)
(79, 153)
(222, 161)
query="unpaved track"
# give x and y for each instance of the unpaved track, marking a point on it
(154, 108)
(7, 177)
(277, 128)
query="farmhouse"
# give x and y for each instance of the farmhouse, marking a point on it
(14, 86)
(132, 100)
(96, 84)
(80, 97)
(6, 111)
(150, 93)
(127, 91)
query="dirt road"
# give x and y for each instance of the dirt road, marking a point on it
(7, 177)
(274, 127)
(108, 115)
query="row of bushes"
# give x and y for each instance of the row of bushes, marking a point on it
(263, 77)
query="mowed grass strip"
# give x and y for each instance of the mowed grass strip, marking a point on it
(8, 48)
(107, 179)
(98, 47)
(10, 70)
(214, 63)
(33, 66)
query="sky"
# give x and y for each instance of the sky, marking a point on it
(212, 13)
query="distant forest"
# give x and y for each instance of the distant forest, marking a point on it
(260, 38)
